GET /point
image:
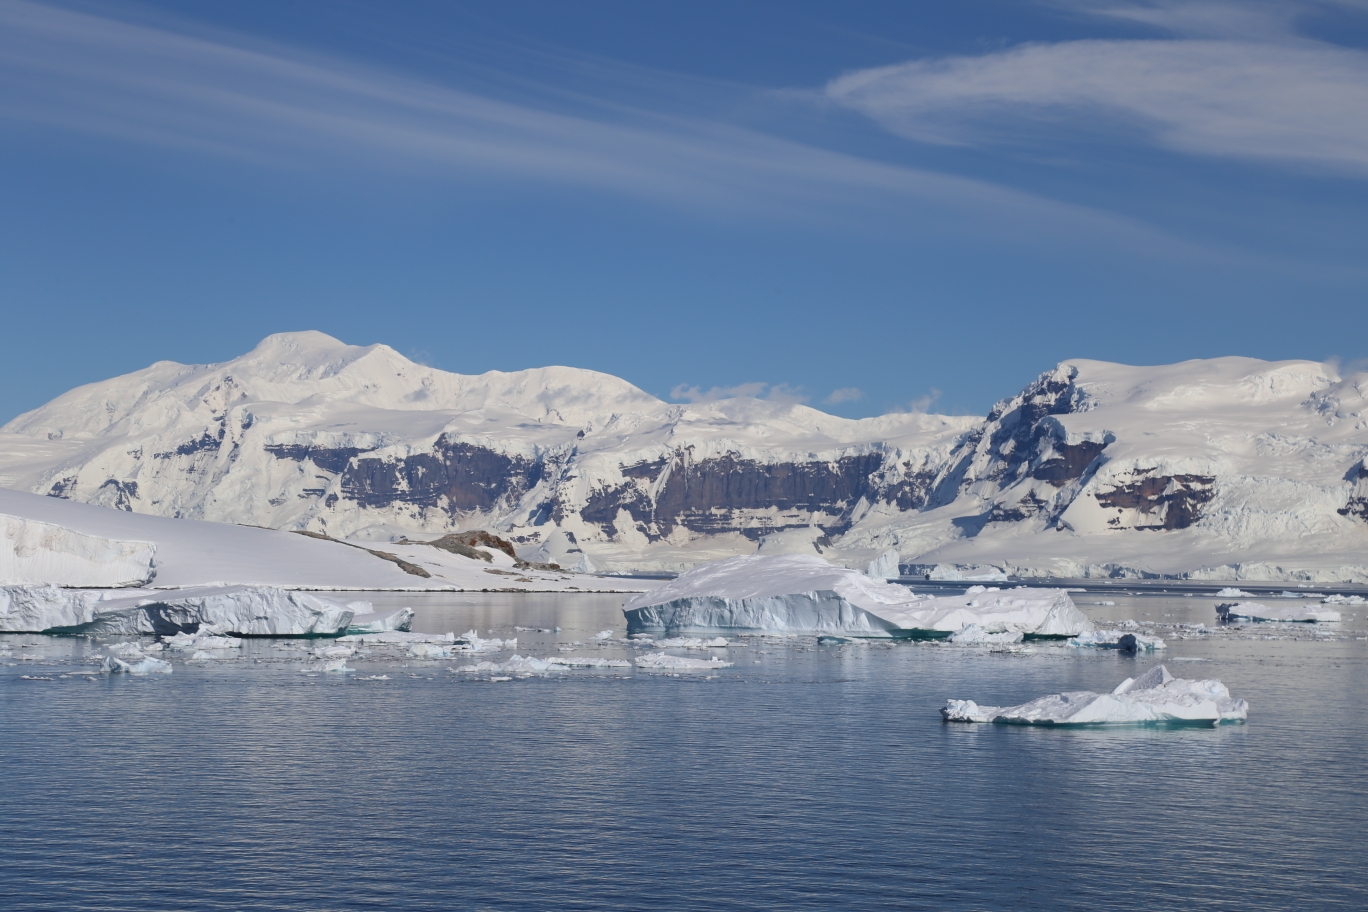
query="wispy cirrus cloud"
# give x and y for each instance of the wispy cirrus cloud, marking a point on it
(98, 76)
(1236, 82)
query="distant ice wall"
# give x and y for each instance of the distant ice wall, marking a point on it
(38, 552)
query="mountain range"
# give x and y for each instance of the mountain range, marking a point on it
(1229, 468)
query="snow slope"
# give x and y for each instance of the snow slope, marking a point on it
(192, 553)
(1230, 468)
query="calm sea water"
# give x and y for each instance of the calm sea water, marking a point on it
(804, 777)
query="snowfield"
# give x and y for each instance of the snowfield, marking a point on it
(1222, 469)
(51, 540)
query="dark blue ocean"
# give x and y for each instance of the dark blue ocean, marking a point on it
(803, 777)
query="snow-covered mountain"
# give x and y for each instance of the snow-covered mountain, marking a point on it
(1230, 468)
(305, 432)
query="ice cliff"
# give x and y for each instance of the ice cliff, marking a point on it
(40, 552)
(232, 610)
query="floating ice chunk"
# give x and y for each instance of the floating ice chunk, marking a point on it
(1117, 639)
(1156, 697)
(1231, 592)
(470, 642)
(430, 651)
(515, 665)
(667, 662)
(885, 566)
(974, 635)
(201, 641)
(142, 666)
(335, 652)
(1344, 600)
(795, 593)
(1300, 613)
(602, 635)
(1286, 594)
(368, 621)
(587, 662)
(692, 643)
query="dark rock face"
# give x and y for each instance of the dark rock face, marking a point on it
(731, 494)
(334, 460)
(1018, 440)
(1357, 505)
(1069, 464)
(471, 478)
(118, 494)
(1175, 501)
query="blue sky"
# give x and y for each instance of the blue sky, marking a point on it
(868, 206)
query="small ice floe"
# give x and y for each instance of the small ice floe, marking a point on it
(471, 642)
(430, 651)
(337, 651)
(1231, 592)
(515, 665)
(974, 635)
(1117, 639)
(1105, 604)
(602, 635)
(1344, 600)
(664, 662)
(142, 665)
(396, 638)
(1289, 594)
(372, 678)
(201, 640)
(1301, 613)
(587, 662)
(692, 643)
(330, 666)
(1156, 697)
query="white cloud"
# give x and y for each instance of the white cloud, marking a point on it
(780, 392)
(924, 403)
(1264, 94)
(844, 394)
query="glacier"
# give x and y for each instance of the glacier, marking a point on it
(220, 610)
(1156, 697)
(797, 593)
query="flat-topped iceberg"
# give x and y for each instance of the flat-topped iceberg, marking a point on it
(367, 621)
(796, 593)
(1155, 698)
(231, 610)
(1304, 613)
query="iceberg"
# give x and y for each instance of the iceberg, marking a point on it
(1119, 639)
(202, 640)
(1155, 698)
(366, 621)
(797, 593)
(142, 666)
(1344, 600)
(884, 567)
(1300, 613)
(235, 610)
(664, 662)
